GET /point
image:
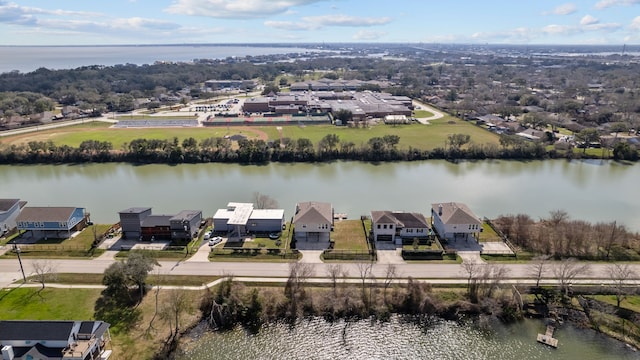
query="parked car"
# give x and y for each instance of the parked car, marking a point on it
(207, 235)
(215, 241)
(274, 235)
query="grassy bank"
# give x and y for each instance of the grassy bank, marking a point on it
(423, 137)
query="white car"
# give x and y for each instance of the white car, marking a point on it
(207, 235)
(215, 241)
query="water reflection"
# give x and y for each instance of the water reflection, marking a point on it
(586, 190)
(399, 339)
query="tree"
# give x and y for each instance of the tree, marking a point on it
(587, 137)
(620, 274)
(364, 270)
(137, 268)
(567, 270)
(344, 115)
(390, 274)
(44, 271)
(538, 268)
(176, 304)
(270, 88)
(115, 280)
(334, 271)
(457, 140)
(472, 269)
(262, 201)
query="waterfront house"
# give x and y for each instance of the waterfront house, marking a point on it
(51, 222)
(454, 221)
(240, 219)
(9, 211)
(68, 340)
(394, 226)
(313, 221)
(139, 223)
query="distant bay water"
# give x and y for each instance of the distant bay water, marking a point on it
(29, 58)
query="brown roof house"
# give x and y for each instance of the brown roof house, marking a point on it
(51, 222)
(395, 225)
(313, 221)
(454, 221)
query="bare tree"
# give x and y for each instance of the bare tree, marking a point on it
(364, 270)
(490, 277)
(567, 270)
(44, 270)
(620, 274)
(173, 308)
(472, 270)
(389, 275)
(262, 201)
(538, 268)
(334, 271)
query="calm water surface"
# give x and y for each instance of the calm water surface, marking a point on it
(30, 58)
(593, 191)
(397, 339)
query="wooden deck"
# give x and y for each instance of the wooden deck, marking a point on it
(547, 338)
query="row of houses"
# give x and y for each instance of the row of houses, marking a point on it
(312, 221)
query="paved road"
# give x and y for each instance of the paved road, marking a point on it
(9, 269)
(436, 113)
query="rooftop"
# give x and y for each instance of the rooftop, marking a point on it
(49, 214)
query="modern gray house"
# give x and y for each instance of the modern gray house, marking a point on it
(131, 221)
(185, 224)
(139, 223)
(9, 210)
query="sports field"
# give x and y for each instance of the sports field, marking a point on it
(418, 136)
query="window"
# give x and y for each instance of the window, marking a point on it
(391, 226)
(378, 226)
(385, 226)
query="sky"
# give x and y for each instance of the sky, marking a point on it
(112, 22)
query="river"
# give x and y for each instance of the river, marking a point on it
(589, 190)
(398, 339)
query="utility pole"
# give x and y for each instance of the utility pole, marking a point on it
(17, 250)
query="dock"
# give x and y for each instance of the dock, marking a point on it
(547, 338)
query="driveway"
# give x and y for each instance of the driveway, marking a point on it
(437, 114)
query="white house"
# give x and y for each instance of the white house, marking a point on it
(9, 211)
(72, 340)
(239, 219)
(454, 221)
(313, 221)
(395, 225)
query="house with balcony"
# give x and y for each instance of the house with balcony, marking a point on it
(51, 222)
(138, 223)
(313, 221)
(394, 226)
(65, 340)
(453, 221)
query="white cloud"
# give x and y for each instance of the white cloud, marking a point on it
(235, 9)
(588, 20)
(635, 23)
(322, 21)
(602, 4)
(368, 35)
(564, 9)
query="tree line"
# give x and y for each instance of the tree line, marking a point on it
(257, 151)
(559, 236)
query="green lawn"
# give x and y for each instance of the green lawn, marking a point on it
(415, 135)
(422, 114)
(349, 235)
(48, 304)
(488, 234)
